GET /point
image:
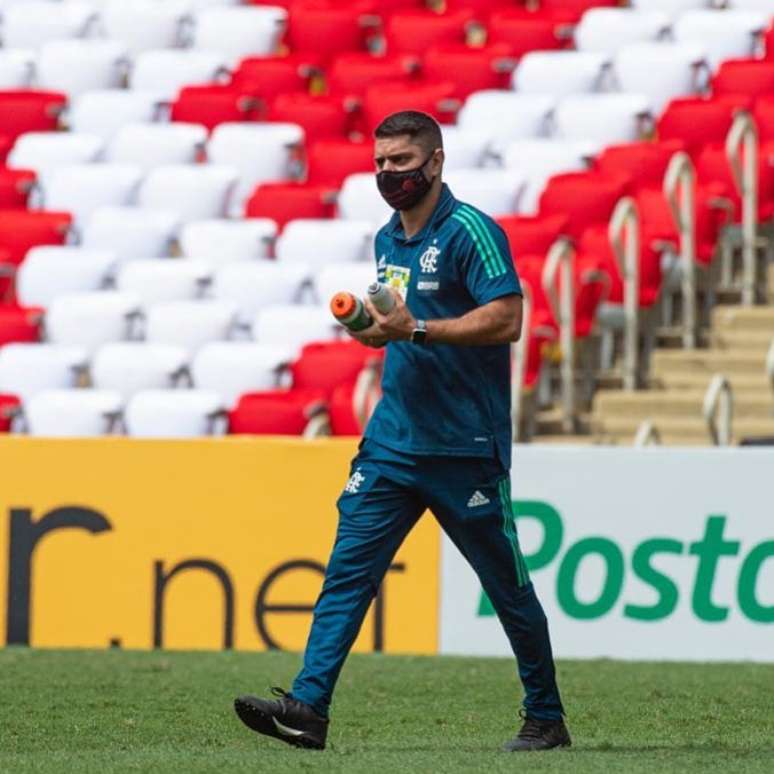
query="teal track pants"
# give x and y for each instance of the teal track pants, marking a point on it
(470, 497)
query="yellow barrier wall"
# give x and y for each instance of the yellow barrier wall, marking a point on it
(92, 531)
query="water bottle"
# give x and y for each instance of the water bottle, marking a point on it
(381, 297)
(350, 311)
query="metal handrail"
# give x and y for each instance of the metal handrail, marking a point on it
(718, 410)
(647, 435)
(560, 261)
(519, 367)
(680, 193)
(624, 235)
(742, 154)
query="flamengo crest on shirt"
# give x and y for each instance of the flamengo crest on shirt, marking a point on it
(428, 261)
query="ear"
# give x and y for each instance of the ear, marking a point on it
(436, 162)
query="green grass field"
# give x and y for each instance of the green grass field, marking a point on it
(104, 712)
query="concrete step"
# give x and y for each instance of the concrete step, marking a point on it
(708, 362)
(755, 341)
(743, 318)
(678, 431)
(563, 440)
(743, 385)
(656, 404)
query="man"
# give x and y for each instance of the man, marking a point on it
(440, 439)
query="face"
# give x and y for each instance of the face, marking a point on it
(399, 154)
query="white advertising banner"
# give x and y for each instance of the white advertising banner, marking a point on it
(635, 554)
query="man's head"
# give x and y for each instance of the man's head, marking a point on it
(408, 154)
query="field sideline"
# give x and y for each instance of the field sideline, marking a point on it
(112, 711)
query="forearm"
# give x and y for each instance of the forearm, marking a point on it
(494, 323)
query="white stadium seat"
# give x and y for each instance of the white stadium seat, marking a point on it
(761, 6)
(47, 272)
(78, 66)
(661, 71)
(173, 413)
(190, 324)
(261, 152)
(359, 199)
(239, 32)
(722, 34)
(17, 67)
(26, 369)
(194, 192)
(72, 413)
(153, 145)
(44, 151)
(221, 241)
(608, 29)
(495, 191)
(603, 118)
(537, 160)
(518, 116)
(673, 8)
(335, 277)
(232, 368)
(560, 73)
(82, 188)
(167, 71)
(143, 25)
(318, 241)
(158, 280)
(104, 112)
(291, 327)
(35, 22)
(130, 232)
(131, 366)
(253, 285)
(89, 320)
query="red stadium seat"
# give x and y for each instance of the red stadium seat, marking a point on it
(275, 412)
(531, 234)
(434, 98)
(698, 120)
(269, 76)
(768, 42)
(414, 32)
(326, 365)
(320, 30)
(712, 167)
(9, 405)
(471, 69)
(574, 9)
(15, 187)
(28, 111)
(752, 77)
(330, 161)
(341, 409)
(352, 72)
(21, 230)
(644, 162)
(18, 324)
(282, 202)
(524, 32)
(764, 117)
(320, 116)
(585, 198)
(213, 105)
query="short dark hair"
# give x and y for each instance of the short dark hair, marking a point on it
(421, 127)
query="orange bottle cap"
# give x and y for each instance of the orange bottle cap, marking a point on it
(343, 305)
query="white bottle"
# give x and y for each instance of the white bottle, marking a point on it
(381, 297)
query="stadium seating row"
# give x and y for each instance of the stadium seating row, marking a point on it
(572, 137)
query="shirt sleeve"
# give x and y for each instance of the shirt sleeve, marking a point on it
(486, 264)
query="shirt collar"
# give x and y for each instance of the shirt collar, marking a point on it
(444, 208)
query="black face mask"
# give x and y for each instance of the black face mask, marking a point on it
(404, 190)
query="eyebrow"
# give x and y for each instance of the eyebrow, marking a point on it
(392, 156)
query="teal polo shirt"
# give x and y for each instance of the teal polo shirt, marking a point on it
(443, 399)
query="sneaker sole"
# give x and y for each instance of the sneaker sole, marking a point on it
(262, 723)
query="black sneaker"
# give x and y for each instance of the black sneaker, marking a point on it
(284, 718)
(539, 735)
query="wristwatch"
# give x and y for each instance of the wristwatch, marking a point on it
(419, 334)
